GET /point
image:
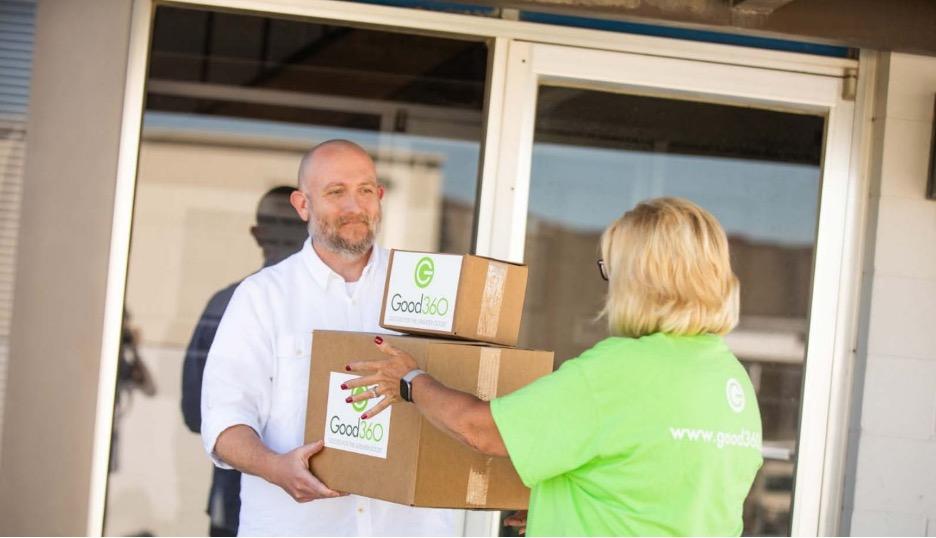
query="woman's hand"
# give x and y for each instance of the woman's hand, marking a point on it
(385, 381)
(462, 415)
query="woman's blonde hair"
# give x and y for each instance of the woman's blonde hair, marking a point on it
(668, 271)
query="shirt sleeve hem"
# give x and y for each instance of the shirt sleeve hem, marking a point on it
(512, 446)
(210, 434)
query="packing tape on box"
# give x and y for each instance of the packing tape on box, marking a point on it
(478, 480)
(479, 475)
(491, 300)
(488, 370)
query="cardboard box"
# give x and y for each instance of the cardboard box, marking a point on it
(399, 456)
(456, 296)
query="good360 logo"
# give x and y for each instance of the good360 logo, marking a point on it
(362, 430)
(425, 270)
(735, 395)
(425, 304)
(361, 405)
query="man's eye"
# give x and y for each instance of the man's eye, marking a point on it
(333, 192)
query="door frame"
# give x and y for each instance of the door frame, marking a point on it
(502, 227)
(502, 196)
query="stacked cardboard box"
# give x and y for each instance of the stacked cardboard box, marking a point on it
(454, 296)
(472, 307)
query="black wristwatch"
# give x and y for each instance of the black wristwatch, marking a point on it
(406, 384)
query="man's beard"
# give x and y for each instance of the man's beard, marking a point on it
(326, 234)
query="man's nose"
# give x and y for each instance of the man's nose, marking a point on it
(351, 204)
(357, 203)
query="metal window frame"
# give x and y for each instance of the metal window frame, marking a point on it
(499, 201)
(831, 319)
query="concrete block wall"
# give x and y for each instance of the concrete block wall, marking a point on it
(892, 482)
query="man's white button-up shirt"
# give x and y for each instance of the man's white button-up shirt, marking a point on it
(258, 375)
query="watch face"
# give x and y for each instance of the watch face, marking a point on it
(405, 390)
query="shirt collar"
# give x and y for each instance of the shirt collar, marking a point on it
(323, 274)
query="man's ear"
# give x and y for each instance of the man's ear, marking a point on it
(300, 204)
(380, 191)
(257, 233)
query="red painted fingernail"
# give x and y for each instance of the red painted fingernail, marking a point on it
(347, 367)
(344, 386)
(364, 416)
(348, 399)
(378, 340)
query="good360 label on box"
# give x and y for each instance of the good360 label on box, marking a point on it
(344, 429)
(421, 291)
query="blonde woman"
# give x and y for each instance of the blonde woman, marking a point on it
(654, 430)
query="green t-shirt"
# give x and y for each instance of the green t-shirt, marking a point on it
(659, 435)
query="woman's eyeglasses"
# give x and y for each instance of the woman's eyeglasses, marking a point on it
(603, 269)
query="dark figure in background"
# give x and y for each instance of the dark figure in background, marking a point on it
(132, 375)
(279, 232)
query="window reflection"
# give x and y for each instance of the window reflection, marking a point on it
(596, 154)
(233, 101)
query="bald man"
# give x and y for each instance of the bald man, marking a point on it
(256, 379)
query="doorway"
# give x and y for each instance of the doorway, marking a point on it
(587, 134)
(513, 149)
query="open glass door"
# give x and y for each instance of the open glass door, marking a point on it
(233, 101)
(587, 134)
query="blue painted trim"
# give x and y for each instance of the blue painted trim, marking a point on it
(626, 27)
(433, 5)
(686, 34)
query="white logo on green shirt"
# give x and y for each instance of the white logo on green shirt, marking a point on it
(735, 395)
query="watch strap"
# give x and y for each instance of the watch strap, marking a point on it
(406, 384)
(411, 375)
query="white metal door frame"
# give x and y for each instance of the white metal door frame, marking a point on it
(504, 184)
(127, 160)
(530, 64)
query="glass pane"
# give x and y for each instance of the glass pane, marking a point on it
(596, 154)
(233, 102)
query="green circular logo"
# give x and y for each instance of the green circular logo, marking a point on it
(359, 406)
(425, 269)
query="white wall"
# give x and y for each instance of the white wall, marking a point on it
(891, 482)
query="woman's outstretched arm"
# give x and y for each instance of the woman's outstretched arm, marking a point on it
(459, 414)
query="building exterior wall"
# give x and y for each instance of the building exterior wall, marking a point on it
(64, 238)
(18, 17)
(890, 488)
(909, 25)
(79, 73)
